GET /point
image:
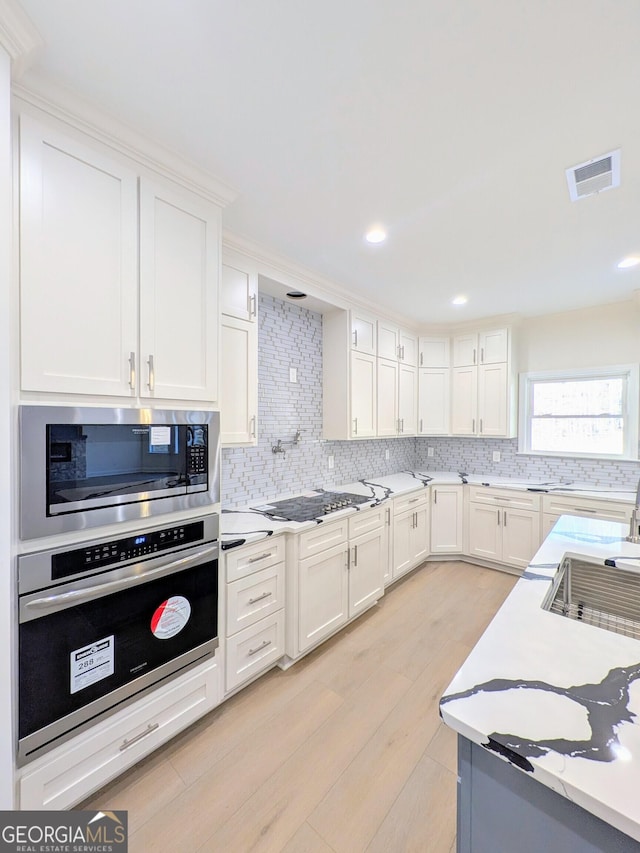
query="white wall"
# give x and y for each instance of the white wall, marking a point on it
(589, 337)
(7, 595)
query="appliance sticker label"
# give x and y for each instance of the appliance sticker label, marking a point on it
(170, 617)
(160, 436)
(92, 663)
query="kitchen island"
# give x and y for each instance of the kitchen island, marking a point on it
(546, 709)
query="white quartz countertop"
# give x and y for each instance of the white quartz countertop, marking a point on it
(250, 524)
(558, 698)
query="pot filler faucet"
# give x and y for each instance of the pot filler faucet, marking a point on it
(634, 527)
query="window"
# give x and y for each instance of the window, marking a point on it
(580, 413)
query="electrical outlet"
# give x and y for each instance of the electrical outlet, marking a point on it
(386, 455)
(496, 455)
(330, 461)
(293, 374)
(429, 451)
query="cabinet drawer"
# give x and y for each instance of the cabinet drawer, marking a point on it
(244, 561)
(254, 597)
(567, 505)
(410, 501)
(322, 537)
(77, 768)
(504, 497)
(255, 649)
(366, 521)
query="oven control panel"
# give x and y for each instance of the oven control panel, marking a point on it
(68, 563)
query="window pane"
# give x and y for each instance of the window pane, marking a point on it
(578, 435)
(578, 397)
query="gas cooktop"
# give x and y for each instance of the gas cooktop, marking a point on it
(311, 505)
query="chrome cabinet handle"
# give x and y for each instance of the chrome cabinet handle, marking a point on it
(402, 425)
(505, 518)
(474, 355)
(355, 338)
(480, 424)
(582, 509)
(498, 518)
(261, 557)
(473, 424)
(420, 424)
(253, 305)
(252, 426)
(355, 426)
(127, 743)
(355, 555)
(399, 352)
(421, 359)
(414, 500)
(259, 597)
(132, 371)
(262, 646)
(403, 352)
(389, 516)
(435, 496)
(152, 374)
(482, 355)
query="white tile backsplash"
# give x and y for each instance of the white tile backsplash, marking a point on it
(290, 335)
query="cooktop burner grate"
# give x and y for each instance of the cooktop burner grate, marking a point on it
(312, 506)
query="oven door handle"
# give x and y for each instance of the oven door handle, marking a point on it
(80, 596)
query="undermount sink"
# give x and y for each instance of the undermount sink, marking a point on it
(605, 596)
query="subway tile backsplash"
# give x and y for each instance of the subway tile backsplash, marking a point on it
(290, 335)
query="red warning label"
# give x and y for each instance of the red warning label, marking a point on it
(170, 617)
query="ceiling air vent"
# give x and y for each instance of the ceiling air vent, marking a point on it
(594, 176)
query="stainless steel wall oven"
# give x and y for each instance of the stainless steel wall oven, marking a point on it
(87, 467)
(102, 623)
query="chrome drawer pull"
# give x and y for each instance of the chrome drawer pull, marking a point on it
(261, 557)
(583, 509)
(414, 500)
(127, 743)
(260, 597)
(260, 648)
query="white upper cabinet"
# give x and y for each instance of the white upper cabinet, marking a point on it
(494, 346)
(238, 293)
(78, 266)
(433, 400)
(239, 382)
(363, 332)
(363, 395)
(465, 350)
(387, 405)
(434, 352)
(407, 348)
(407, 400)
(179, 263)
(388, 340)
(104, 265)
(464, 400)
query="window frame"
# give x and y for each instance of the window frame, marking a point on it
(630, 406)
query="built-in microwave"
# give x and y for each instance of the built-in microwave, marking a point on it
(86, 467)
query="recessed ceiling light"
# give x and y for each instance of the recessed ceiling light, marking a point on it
(459, 300)
(296, 294)
(376, 234)
(631, 261)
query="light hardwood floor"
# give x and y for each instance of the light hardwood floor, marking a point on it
(344, 752)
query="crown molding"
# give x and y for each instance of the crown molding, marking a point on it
(18, 35)
(69, 108)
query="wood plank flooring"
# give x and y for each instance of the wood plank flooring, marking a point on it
(343, 753)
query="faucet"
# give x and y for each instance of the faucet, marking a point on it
(634, 524)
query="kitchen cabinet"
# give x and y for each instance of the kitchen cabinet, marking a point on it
(446, 519)
(556, 505)
(410, 532)
(502, 525)
(238, 382)
(483, 385)
(396, 399)
(433, 401)
(71, 772)
(434, 352)
(238, 293)
(396, 344)
(109, 256)
(254, 610)
(407, 400)
(337, 572)
(363, 332)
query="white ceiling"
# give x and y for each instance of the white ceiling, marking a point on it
(450, 121)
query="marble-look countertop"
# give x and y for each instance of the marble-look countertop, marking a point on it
(558, 698)
(243, 525)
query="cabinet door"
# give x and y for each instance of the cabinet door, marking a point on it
(420, 535)
(239, 382)
(363, 332)
(179, 277)
(408, 344)
(434, 352)
(485, 531)
(464, 400)
(433, 401)
(465, 350)
(387, 398)
(493, 401)
(388, 340)
(402, 545)
(407, 399)
(520, 536)
(363, 395)
(78, 266)
(366, 570)
(238, 293)
(494, 346)
(446, 519)
(323, 597)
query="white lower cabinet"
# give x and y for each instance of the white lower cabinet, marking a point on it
(336, 572)
(410, 533)
(553, 506)
(502, 525)
(73, 771)
(254, 610)
(446, 519)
